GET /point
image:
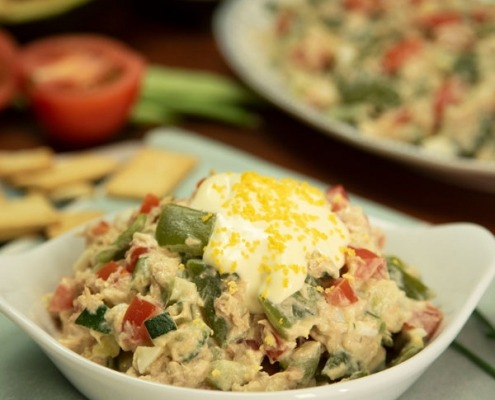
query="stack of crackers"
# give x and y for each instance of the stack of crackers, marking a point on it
(45, 181)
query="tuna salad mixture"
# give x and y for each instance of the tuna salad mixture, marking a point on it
(252, 284)
(415, 71)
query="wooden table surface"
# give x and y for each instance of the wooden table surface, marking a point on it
(173, 36)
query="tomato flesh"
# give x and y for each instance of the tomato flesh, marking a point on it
(150, 201)
(400, 53)
(370, 265)
(341, 293)
(138, 311)
(108, 269)
(63, 297)
(81, 87)
(135, 254)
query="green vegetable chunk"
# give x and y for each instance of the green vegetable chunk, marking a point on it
(376, 91)
(183, 229)
(95, 321)
(160, 325)
(412, 286)
(293, 310)
(341, 365)
(306, 358)
(208, 283)
(118, 248)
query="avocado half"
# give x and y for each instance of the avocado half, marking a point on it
(23, 11)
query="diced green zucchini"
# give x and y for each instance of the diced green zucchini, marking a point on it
(118, 248)
(183, 229)
(160, 325)
(95, 321)
(412, 286)
(225, 373)
(306, 358)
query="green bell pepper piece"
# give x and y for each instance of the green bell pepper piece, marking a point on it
(183, 229)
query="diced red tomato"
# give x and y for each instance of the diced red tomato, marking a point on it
(138, 311)
(100, 228)
(9, 78)
(337, 197)
(367, 6)
(428, 318)
(136, 252)
(81, 86)
(341, 293)
(284, 22)
(439, 19)
(400, 53)
(449, 93)
(108, 269)
(63, 297)
(369, 265)
(150, 201)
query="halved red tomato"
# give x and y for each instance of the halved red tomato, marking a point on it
(8, 68)
(81, 86)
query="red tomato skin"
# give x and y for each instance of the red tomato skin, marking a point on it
(63, 297)
(9, 74)
(87, 117)
(400, 53)
(134, 258)
(108, 269)
(138, 311)
(371, 266)
(429, 318)
(149, 202)
(341, 293)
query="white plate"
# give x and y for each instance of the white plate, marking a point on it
(462, 280)
(239, 26)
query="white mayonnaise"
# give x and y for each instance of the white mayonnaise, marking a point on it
(266, 229)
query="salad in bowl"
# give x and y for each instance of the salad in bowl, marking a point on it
(252, 284)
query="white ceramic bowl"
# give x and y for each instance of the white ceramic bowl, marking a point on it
(456, 260)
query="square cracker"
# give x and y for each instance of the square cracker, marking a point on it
(150, 170)
(25, 161)
(25, 215)
(80, 168)
(70, 219)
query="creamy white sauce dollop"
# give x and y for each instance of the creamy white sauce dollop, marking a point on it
(266, 229)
